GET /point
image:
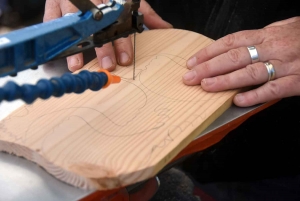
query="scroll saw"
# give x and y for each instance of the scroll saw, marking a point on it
(73, 33)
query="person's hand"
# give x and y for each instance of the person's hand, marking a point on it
(226, 63)
(108, 56)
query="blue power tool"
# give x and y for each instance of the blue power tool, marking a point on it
(91, 27)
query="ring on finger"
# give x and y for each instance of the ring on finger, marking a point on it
(271, 71)
(253, 54)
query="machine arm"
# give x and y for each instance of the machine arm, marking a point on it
(92, 26)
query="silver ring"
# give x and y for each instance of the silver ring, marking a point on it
(253, 54)
(271, 70)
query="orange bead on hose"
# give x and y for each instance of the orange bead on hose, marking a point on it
(110, 78)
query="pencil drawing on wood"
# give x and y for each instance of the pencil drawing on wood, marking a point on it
(127, 132)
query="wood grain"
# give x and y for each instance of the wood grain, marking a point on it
(127, 132)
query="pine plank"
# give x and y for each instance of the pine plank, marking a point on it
(127, 132)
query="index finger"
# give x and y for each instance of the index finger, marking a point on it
(52, 10)
(226, 43)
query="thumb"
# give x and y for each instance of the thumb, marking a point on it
(151, 18)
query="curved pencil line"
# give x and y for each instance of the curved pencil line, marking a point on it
(103, 114)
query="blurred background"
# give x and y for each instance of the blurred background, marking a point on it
(17, 13)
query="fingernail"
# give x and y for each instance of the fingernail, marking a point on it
(73, 63)
(189, 75)
(191, 62)
(124, 58)
(208, 81)
(239, 98)
(106, 62)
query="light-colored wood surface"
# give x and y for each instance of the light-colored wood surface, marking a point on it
(127, 132)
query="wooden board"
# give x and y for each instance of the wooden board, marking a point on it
(127, 132)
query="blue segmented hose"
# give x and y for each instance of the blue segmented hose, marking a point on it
(68, 83)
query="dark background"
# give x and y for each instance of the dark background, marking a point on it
(216, 18)
(15, 13)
